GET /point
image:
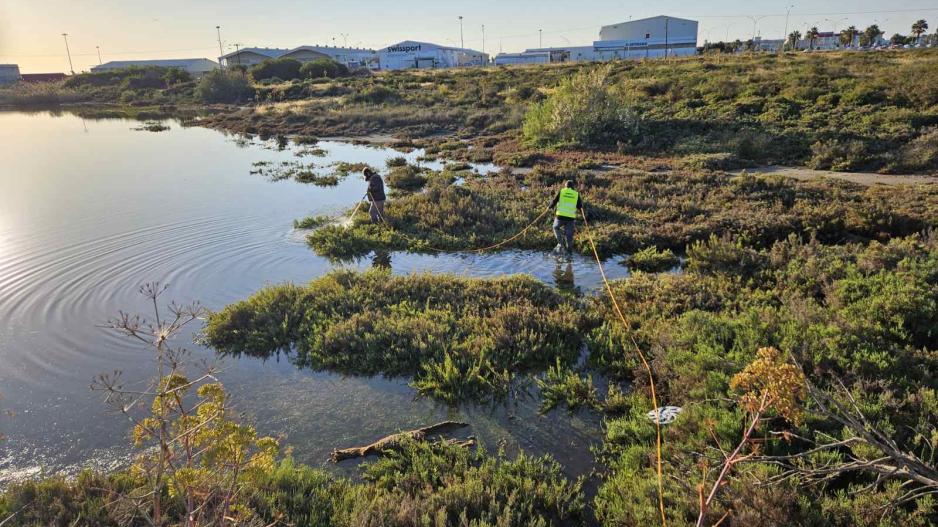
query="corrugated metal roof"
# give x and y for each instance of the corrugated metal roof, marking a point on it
(164, 63)
(267, 52)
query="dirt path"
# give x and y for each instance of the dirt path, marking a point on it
(863, 178)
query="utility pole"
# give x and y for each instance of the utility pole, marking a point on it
(666, 43)
(68, 53)
(462, 42)
(785, 36)
(99, 54)
(221, 50)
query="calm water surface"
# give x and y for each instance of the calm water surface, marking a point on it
(89, 210)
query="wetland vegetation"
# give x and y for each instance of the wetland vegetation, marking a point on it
(799, 338)
(837, 111)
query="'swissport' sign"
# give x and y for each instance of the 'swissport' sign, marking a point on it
(403, 49)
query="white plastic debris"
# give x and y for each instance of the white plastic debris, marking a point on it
(664, 415)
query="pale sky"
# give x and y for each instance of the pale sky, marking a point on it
(31, 30)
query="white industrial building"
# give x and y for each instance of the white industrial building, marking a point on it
(528, 57)
(351, 57)
(653, 37)
(413, 54)
(9, 73)
(195, 67)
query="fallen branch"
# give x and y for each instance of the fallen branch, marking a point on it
(394, 440)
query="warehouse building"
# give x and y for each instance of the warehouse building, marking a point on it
(647, 38)
(528, 57)
(351, 57)
(195, 67)
(413, 54)
(250, 56)
(9, 73)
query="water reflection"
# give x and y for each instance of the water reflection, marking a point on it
(563, 278)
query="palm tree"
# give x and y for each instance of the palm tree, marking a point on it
(812, 36)
(870, 35)
(793, 39)
(848, 35)
(919, 27)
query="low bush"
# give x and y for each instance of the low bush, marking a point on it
(223, 86)
(651, 260)
(407, 178)
(323, 68)
(582, 111)
(562, 385)
(447, 483)
(284, 68)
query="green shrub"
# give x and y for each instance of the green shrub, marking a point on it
(406, 178)
(375, 95)
(320, 68)
(651, 260)
(561, 385)
(283, 68)
(582, 111)
(223, 86)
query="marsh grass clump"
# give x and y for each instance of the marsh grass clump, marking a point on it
(651, 260)
(406, 178)
(562, 385)
(398, 161)
(312, 222)
(458, 337)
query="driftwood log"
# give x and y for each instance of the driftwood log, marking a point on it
(394, 440)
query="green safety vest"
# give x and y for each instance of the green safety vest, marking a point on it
(566, 205)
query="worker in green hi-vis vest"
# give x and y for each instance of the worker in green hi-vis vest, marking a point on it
(568, 202)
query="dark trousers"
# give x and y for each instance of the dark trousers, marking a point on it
(376, 210)
(563, 231)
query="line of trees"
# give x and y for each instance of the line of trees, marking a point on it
(866, 38)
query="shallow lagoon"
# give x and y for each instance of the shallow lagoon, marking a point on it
(90, 209)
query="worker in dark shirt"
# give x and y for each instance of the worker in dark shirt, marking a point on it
(568, 202)
(375, 195)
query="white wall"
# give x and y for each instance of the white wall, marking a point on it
(412, 54)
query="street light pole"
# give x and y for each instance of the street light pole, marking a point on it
(483, 38)
(540, 38)
(99, 54)
(221, 51)
(68, 53)
(462, 41)
(785, 35)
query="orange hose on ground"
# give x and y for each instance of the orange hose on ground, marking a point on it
(651, 378)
